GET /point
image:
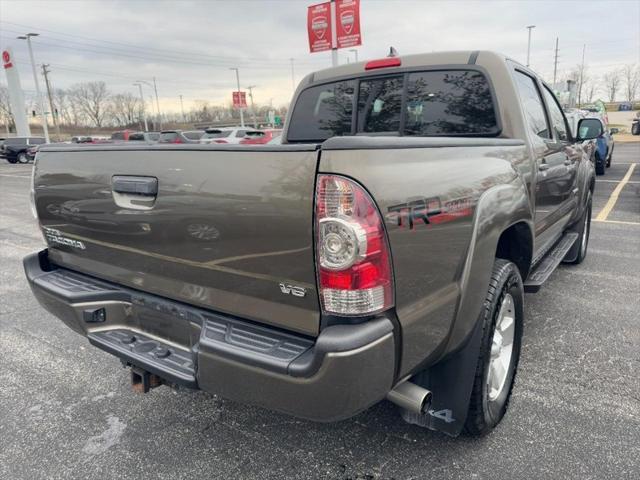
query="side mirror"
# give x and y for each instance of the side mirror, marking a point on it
(589, 128)
(614, 130)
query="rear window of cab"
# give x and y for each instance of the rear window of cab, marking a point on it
(428, 103)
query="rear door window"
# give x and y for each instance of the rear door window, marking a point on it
(532, 104)
(193, 135)
(449, 103)
(558, 120)
(379, 105)
(322, 112)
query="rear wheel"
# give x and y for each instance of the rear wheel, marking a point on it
(12, 159)
(22, 157)
(502, 318)
(610, 156)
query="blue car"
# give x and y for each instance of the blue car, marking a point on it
(603, 148)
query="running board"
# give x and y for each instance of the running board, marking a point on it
(548, 264)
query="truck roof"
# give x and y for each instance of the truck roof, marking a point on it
(461, 57)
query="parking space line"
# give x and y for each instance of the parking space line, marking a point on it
(616, 181)
(621, 222)
(17, 176)
(606, 210)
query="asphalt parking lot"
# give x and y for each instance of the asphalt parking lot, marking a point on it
(67, 409)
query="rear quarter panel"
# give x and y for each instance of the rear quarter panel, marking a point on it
(440, 265)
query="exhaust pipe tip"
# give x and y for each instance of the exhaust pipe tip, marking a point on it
(411, 397)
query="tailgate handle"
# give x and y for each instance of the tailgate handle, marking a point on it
(147, 186)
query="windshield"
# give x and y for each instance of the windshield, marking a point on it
(216, 134)
(430, 103)
(193, 135)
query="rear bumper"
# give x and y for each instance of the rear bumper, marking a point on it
(343, 371)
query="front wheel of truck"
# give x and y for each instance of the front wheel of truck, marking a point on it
(502, 318)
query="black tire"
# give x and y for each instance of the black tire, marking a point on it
(12, 159)
(484, 413)
(610, 156)
(635, 128)
(599, 165)
(579, 250)
(22, 157)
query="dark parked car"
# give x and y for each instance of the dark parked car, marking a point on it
(178, 136)
(149, 137)
(15, 149)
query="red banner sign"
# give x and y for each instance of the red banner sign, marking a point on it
(319, 27)
(348, 23)
(6, 59)
(239, 99)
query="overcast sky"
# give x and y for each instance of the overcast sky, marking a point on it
(190, 45)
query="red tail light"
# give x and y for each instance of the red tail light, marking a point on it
(383, 63)
(177, 140)
(354, 268)
(219, 141)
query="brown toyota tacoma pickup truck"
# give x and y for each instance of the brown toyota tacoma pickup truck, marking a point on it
(382, 251)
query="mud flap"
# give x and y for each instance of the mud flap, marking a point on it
(451, 382)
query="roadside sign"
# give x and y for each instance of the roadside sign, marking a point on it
(239, 99)
(16, 97)
(319, 27)
(348, 23)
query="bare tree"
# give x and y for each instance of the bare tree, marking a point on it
(92, 99)
(6, 116)
(612, 84)
(580, 75)
(631, 75)
(125, 108)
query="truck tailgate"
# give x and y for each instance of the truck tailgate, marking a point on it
(225, 228)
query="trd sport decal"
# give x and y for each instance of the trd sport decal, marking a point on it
(426, 211)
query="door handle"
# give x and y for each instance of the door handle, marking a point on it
(129, 184)
(543, 166)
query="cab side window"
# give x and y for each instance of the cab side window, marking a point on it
(558, 120)
(532, 104)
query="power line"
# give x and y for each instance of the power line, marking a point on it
(161, 51)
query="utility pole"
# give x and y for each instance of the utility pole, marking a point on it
(334, 35)
(184, 119)
(293, 78)
(45, 73)
(144, 114)
(253, 110)
(155, 87)
(238, 84)
(555, 64)
(530, 27)
(584, 46)
(43, 114)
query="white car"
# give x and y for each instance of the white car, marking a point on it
(226, 134)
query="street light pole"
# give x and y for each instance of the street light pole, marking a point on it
(253, 110)
(155, 87)
(530, 27)
(238, 83)
(155, 123)
(43, 114)
(293, 78)
(144, 114)
(184, 119)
